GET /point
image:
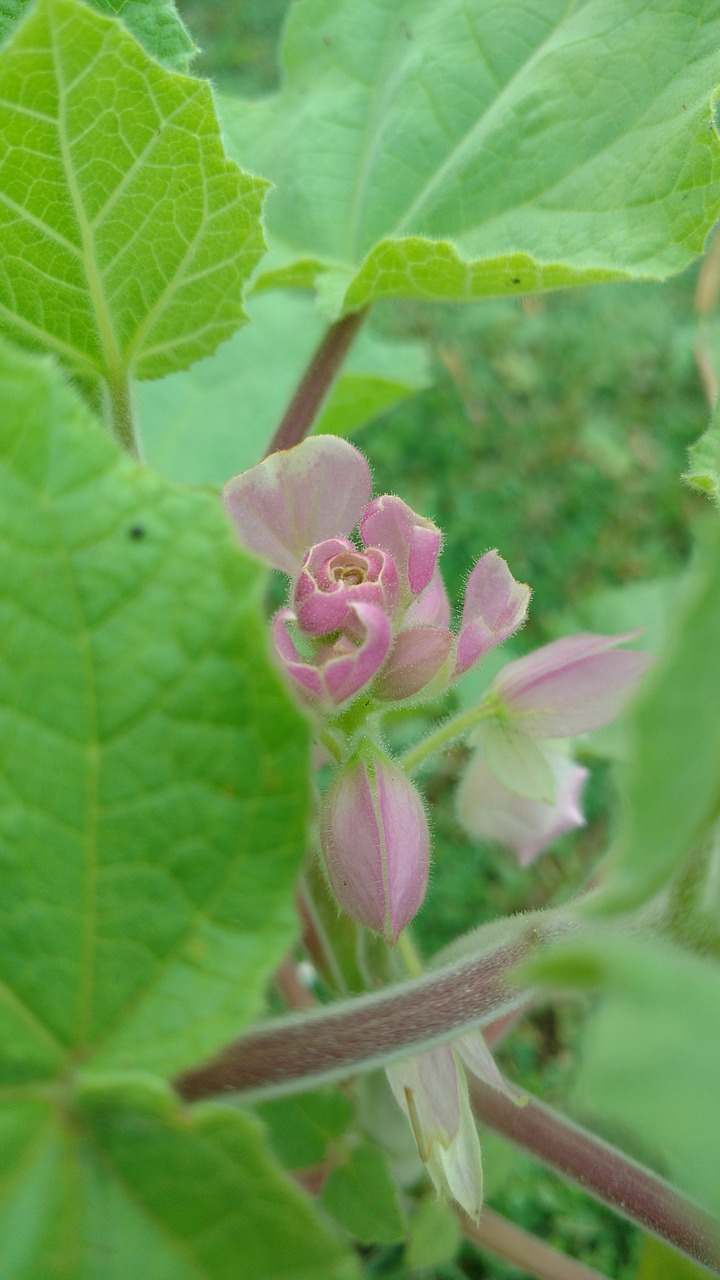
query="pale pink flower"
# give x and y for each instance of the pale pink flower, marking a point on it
(338, 669)
(495, 607)
(334, 575)
(413, 541)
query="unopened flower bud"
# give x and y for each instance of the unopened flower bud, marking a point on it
(416, 656)
(412, 540)
(376, 844)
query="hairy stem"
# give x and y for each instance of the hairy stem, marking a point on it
(316, 382)
(522, 1249)
(449, 731)
(603, 1171)
(121, 415)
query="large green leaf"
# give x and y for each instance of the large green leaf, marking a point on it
(474, 148)
(362, 1196)
(672, 782)
(153, 771)
(136, 1186)
(127, 234)
(155, 23)
(651, 1053)
(216, 419)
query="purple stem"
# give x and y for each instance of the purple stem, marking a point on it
(603, 1171)
(316, 382)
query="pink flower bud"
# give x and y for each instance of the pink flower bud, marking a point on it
(432, 607)
(412, 541)
(572, 685)
(495, 608)
(490, 809)
(416, 656)
(337, 671)
(334, 576)
(376, 844)
(298, 497)
(432, 1091)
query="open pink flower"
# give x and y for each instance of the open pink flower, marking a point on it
(338, 669)
(335, 575)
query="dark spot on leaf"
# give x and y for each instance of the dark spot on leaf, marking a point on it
(406, 30)
(327, 40)
(136, 531)
(516, 280)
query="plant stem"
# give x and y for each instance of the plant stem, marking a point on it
(121, 414)
(316, 382)
(448, 731)
(603, 1171)
(522, 1249)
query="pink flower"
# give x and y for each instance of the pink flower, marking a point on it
(491, 809)
(298, 497)
(334, 575)
(412, 541)
(338, 669)
(495, 608)
(376, 844)
(570, 686)
(415, 658)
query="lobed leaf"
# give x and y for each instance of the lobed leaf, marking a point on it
(127, 233)
(155, 23)
(153, 771)
(475, 149)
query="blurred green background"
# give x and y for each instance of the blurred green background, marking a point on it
(556, 430)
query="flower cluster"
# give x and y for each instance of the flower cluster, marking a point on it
(366, 626)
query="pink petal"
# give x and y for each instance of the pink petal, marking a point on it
(432, 608)
(413, 542)
(305, 674)
(572, 685)
(489, 809)
(347, 668)
(495, 608)
(298, 497)
(416, 656)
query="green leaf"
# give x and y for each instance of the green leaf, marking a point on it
(216, 419)
(138, 1186)
(479, 148)
(155, 23)
(659, 1262)
(127, 233)
(434, 1235)
(651, 1052)
(362, 1196)
(672, 781)
(153, 784)
(302, 1126)
(703, 471)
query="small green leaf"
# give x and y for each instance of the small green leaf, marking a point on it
(651, 1052)
(362, 1196)
(217, 419)
(434, 1235)
(127, 233)
(153, 770)
(139, 1186)
(672, 781)
(703, 471)
(155, 23)
(478, 148)
(302, 1126)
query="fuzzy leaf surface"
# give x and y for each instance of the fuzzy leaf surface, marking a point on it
(153, 772)
(127, 233)
(468, 149)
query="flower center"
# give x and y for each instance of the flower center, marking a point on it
(349, 570)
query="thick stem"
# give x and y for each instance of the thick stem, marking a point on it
(121, 415)
(603, 1171)
(316, 382)
(295, 1052)
(499, 1236)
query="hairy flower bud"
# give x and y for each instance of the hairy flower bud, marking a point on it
(412, 540)
(376, 844)
(495, 608)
